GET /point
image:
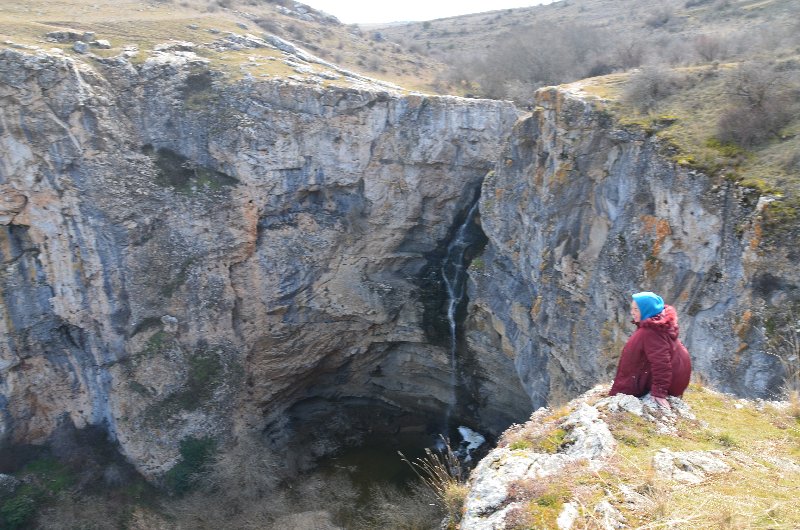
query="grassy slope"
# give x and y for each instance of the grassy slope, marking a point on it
(686, 120)
(145, 24)
(755, 439)
(757, 493)
(474, 33)
(696, 107)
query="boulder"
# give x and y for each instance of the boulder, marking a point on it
(8, 485)
(691, 467)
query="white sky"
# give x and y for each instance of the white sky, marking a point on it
(370, 11)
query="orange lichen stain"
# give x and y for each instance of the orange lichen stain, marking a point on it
(538, 178)
(743, 327)
(652, 267)
(737, 358)
(659, 229)
(509, 162)
(536, 308)
(498, 193)
(563, 172)
(757, 234)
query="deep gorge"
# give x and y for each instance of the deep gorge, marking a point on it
(270, 262)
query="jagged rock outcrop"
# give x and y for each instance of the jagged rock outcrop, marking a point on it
(582, 212)
(188, 257)
(607, 462)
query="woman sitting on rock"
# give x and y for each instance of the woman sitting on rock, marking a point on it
(653, 360)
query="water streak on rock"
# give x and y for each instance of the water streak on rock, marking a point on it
(454, 275)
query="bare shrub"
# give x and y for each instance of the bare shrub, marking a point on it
(660, 17)
(239, 489)
(268, 25)
(646, 88)
(673, 50)
(629, 54)
(539, 55)
(791, 162)
(709, 47)
(297, 31)
(761, 101)
(248, 486)
(71, 510)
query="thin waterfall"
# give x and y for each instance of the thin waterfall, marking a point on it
(454, 274)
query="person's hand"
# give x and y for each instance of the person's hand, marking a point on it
(662, 402)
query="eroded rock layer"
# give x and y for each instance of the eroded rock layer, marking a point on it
(581, 213)
(183, 257)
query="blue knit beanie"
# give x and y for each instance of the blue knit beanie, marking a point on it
(650, 304)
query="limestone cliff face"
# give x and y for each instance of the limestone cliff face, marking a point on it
(183, 257)
(188, 256)
(580, 213)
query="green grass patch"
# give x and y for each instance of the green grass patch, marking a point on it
(196, 455)
(685, 122)
(521, 444)
(53, 476)
(758, 492)
(16, 511)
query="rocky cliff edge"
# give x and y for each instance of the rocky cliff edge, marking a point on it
(622, 462)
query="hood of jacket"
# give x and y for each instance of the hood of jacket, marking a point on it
(665, 322)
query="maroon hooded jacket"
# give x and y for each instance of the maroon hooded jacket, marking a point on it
(654, 360)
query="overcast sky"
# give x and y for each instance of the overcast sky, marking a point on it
(368, 11)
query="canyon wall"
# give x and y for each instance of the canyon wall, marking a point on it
(185, 256)
(188, 258)
(581, 212)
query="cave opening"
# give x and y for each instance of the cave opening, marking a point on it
(356, 420)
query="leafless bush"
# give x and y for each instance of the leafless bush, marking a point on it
(761, 101)
(72, 510)
(646, 88)
(709, 47)
(629, 53)
(539, 55)
(786, 348)
(268, 25)
(660, 17)
(792, 163)
(297, 31)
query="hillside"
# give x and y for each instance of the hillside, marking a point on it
(706, 122)
(643, 24)
(712, 461)
(130, 23)
(680, 69)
